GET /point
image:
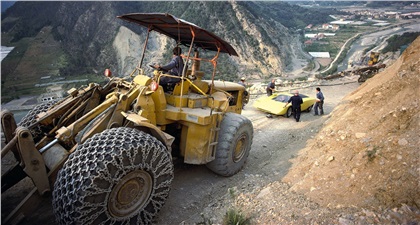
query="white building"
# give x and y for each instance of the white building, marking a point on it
(320, 54)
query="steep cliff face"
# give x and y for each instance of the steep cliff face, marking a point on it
(91, 38)
(129, 45)
(266, 55)
(87, 30)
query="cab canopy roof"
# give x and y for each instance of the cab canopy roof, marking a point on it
(180, 30)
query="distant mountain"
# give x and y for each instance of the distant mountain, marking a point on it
(76, 38)
(6, 4)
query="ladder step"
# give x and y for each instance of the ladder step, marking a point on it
(213, 143)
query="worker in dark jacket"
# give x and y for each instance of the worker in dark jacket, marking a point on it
(296, 102)
(174, 67)
(319, 102)
(271, 87)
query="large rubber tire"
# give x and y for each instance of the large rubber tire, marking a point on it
(119, 176)
(30, 118)
(309, 109)
(234, 144)
(289, 112)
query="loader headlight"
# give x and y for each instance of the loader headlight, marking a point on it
(108, 73)
(154, 86)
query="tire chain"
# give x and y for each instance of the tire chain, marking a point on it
(98, 164)
(30, 118)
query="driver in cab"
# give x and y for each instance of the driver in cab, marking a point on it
(174, 67)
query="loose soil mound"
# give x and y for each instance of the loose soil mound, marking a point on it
(367, 154)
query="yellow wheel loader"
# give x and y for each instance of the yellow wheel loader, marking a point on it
(105, 152)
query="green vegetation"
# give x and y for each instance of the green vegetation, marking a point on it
(396, 41)
(341, 57)
(235, 217)
(291, 16)
(333, 44)
(33, 21)
(310, 66)
(325, 46)
(372, 152)
(232, 192)
(366, 50)
(32, 59)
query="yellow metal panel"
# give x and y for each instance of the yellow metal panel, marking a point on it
(173, 115)
(219, 101)
(197, 103)
(160, 106)
(147, 108)
(181, 87)
(177, 101)
(197, 116)
(142, 80)
(234, 109)
(196, 148)
(199, 84)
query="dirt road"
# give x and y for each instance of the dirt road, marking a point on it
(276, 140)
(197, 194)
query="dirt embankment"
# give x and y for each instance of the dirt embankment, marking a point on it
(361, 167)
(367, 154)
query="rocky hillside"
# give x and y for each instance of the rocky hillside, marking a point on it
(367, 155)
(86, 37)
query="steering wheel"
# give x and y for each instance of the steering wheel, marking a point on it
(158, 69)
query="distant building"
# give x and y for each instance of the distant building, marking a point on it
(311, 35)
(320, 54)
(319, 36)
(46, 97)
(381, 24)
(328, 34)
(342, 22)
(358, 23)
(410, 15)
(54, 92)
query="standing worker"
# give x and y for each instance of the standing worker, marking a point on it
(319, 102)
(296, 102)
(242, 82)
(271, 87)
(245, 97)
